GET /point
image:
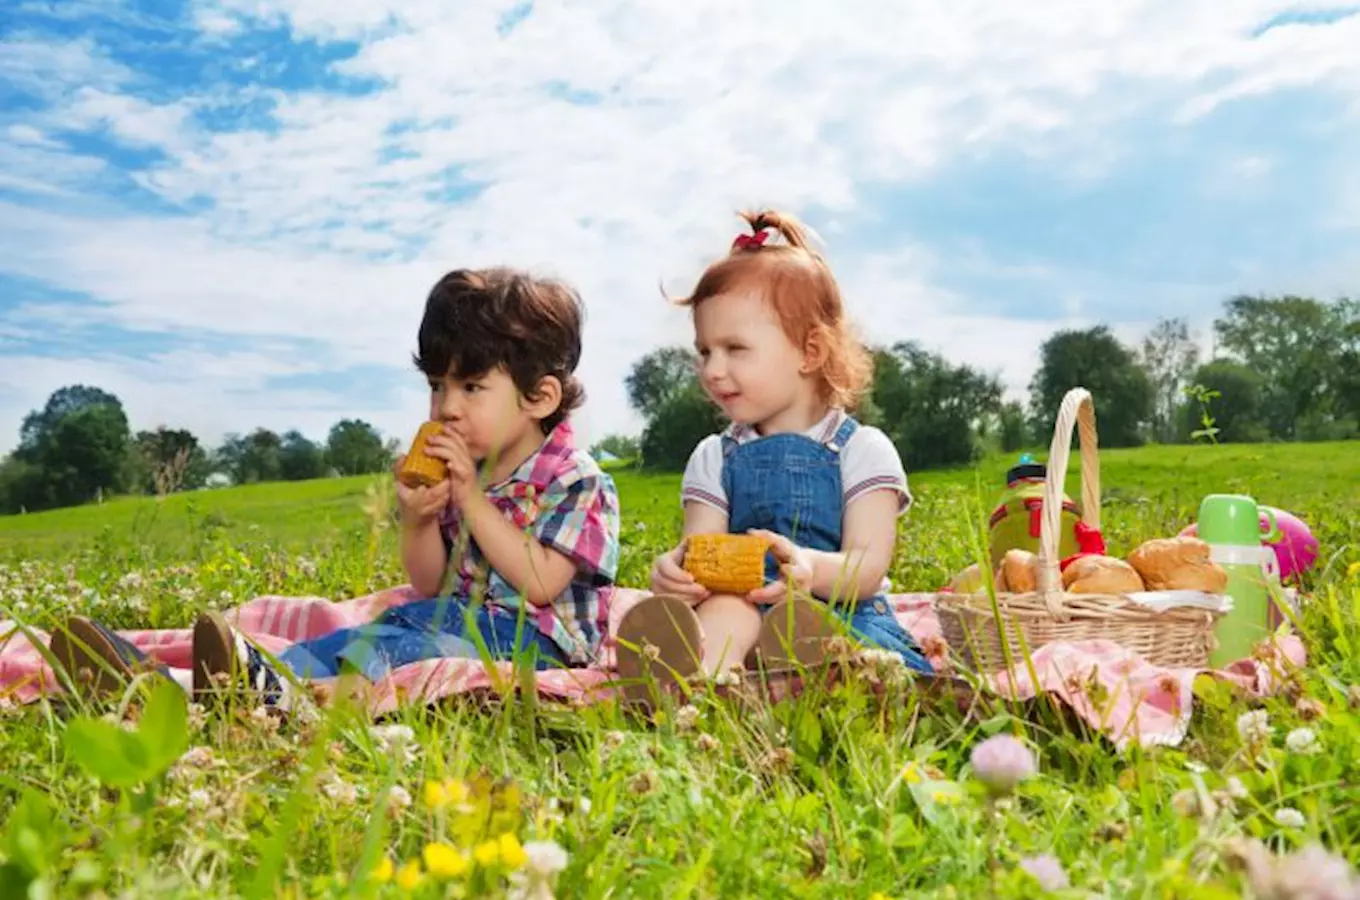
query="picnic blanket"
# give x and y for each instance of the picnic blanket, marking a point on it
(1112, 689)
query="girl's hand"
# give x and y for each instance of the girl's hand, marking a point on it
(670, 577)
(794, 562)
(421, 505)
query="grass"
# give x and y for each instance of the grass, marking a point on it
(844, 792)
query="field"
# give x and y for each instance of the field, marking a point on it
(851, 793)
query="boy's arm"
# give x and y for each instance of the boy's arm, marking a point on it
(424, 556)
(537, 572)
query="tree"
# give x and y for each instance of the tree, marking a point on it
(354, 447)
(299, 458)
(930, 407)
(1236, 410)
(73, 450)
(253, 458)
(1013, 427)
(682, 420)
(168, 459)
(1096, 360)
(1298, 346)
(62, 403)
(658, 377)
(1168, 356)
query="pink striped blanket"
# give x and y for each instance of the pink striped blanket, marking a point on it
(1115, 691)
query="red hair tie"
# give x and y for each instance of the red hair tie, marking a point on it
(751, 241)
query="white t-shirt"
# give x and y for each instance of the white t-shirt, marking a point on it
(869, 462)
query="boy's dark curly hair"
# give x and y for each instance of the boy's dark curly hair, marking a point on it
(478, 319)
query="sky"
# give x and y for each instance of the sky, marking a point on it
(229, 212)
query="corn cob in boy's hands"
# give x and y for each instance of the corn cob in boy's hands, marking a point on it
(727, 563)
(419, 469)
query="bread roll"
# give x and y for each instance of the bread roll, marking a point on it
(969, 581)
(1178, 564)
(1019, 572)
(1101, 575)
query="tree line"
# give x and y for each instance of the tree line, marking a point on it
(1283, 368)
(78, 448)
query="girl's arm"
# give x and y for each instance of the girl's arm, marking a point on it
(668, 575)
(856, 571)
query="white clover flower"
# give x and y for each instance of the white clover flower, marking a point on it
(200, 799)
(1288, 817)
(1254, 727)
(1235, 788)
(1303, 740)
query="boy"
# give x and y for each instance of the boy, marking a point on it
(519, 543)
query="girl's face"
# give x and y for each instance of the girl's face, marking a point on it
(747, 363)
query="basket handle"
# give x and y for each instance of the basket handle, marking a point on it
(1077, 412)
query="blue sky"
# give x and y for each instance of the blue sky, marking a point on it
(228, 211)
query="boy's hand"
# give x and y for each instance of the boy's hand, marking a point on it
(794, 562)
(420, 505)
(670, 577)
(462, 479)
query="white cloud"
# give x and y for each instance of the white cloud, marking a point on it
(332, 223)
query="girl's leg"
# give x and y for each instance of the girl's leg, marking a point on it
(873, 623)
(731, 626)
(794, 633)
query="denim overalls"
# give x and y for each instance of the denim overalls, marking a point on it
(791, 484)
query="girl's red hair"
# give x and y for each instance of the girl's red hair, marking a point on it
(797, 283)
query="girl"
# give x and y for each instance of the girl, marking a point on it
(777, 355)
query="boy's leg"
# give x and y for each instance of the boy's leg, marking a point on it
(83, 645)
(658, 641)
(507, 636)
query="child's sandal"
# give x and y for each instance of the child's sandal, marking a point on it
(793, 635)
(97, 658)
(658, 642)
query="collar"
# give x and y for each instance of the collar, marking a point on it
(544, 464)
(821, 432)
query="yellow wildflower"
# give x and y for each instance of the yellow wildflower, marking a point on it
(383, 871)
(487, 854)
(944, 798)
(911, 774)
(1353, 570)
(408, 876)
(444, 862)
(512, 853)
(439, 794)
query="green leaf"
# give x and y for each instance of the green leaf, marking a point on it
(164, 728)
(116, 757)
(937, 800)
(33, 835)
(14, 880)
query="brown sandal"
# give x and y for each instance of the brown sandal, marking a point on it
(793, 634)
(658, 643)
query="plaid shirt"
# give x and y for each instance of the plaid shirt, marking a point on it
(560, 496)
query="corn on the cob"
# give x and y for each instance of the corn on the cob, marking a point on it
(420, 469)
(727, 563)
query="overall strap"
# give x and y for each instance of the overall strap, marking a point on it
(842, 435)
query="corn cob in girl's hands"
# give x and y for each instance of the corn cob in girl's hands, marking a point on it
(727, 563)
(419, 469)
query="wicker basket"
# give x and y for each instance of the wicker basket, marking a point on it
(1180, 637)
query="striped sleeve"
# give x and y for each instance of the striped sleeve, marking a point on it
(702, 481)
(870, 463)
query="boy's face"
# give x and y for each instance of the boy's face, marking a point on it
(486, 411)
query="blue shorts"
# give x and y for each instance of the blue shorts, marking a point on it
(424, 629)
